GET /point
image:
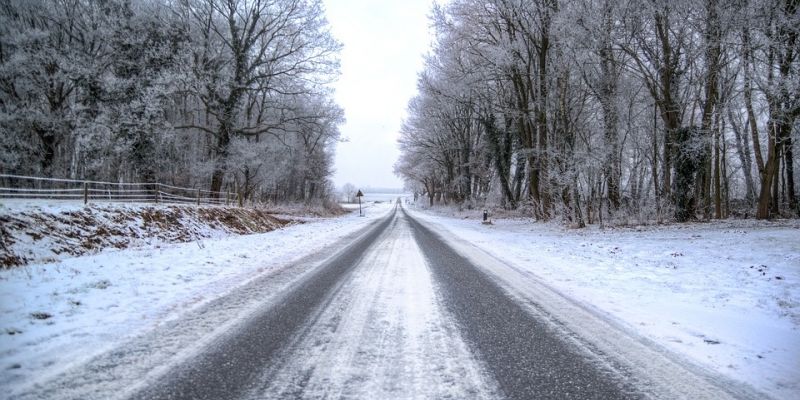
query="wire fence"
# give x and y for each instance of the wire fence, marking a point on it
(38, 188)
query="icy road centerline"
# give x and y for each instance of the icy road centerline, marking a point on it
(383, 335)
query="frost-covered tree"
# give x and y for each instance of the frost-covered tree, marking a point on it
(262, 49)
(598, 109)
(230, 95)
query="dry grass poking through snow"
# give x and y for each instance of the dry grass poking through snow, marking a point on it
(32, 234)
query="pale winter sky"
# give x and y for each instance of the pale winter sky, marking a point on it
(384, 43)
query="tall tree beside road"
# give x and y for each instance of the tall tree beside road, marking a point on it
(252, 58)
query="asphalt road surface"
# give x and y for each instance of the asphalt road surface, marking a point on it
(400, 314)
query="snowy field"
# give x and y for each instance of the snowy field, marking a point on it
(56, 315)
(725, 295)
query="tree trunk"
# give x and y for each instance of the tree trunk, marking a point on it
(717, 180)
(654, 166)
(780, 54)
(519, 176)
(743, 150)
(789, 165)
(775, 202)
(712, 55)
(748, 100)
(725, 181)
(608, 95)
(577, 209)
(768, 175)
(688, 161)
(501, 156)
(667, 101)
(49, 145)
(541, 177)
(221, 160)
(430, 188)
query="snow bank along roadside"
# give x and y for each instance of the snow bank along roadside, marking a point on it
(53, 316)
(725, 295)
(34, 232)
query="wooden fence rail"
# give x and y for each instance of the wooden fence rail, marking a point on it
(38, 188)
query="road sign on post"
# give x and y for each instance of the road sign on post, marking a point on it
(359, 195)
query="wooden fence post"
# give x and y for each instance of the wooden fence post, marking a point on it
(198, 197)
(157, 193)
(85, 193)
(241, 200)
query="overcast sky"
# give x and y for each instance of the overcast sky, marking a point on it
(384, 43)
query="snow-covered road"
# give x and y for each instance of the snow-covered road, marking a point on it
(396, 314)
(384, 334)
(402, 314)
(398, 309)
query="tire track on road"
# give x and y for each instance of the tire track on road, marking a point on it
(527, 357)
(384, 335)
(232, 364)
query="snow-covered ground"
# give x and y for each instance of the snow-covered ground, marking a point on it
(46, 231)
(56, 315)
(725, 295)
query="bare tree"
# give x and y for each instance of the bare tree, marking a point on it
(264, 46)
